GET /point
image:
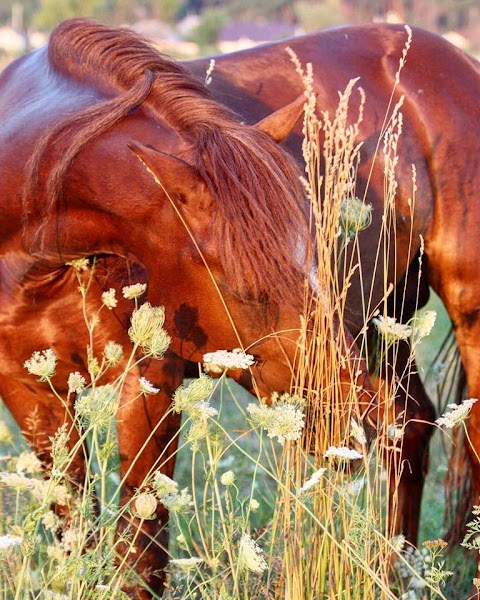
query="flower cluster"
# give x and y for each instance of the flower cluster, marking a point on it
(130, 292)
(76, 383)
(169, 495)
(250, 555)
(223, 360)
(457, 415)
(113, 353)
(98, 408)
(193, 401)
(313, 481)
(42, 364)
(108, 299)
(390, 330)
(355, 215)
(146, 387)
(284, 419)
(342, 453)
(146, 330)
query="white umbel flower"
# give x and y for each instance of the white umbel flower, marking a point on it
(227, 478)
(313, 481)
(342, 453)
(223, 360)
(250, 555)
(283, 420)
(357, 432)
(108, 299)
(130, 292)
(146, 387)
(76, 383)
(186, 564)
(457, 415)
(42, 364)
(145, 506)
(113, 352)
(392, 331)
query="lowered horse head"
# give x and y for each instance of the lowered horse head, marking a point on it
(118, 151)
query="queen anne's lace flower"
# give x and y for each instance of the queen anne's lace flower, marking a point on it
(358, 433)
(99, 406)
(283, 420)
(392, 331)
(28, 462)
(113, 352)
(164, 485)
(130, 292)
(146, 330)
(227, 478)
(222, 360)
(457, 415)
(342, 453)
(76, 383)
(79, 264)
(145, 506)
(250, 555)
(146, 387)
(423, 325)
(108, 299)
(42, 364)
(186, 564)
(313, 481)
(355, 215)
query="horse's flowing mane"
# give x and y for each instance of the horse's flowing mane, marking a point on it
(258, 216)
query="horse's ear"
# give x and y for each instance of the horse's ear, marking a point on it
(176, 177)
(280, 123)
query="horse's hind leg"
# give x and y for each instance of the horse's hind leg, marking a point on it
(413, 458)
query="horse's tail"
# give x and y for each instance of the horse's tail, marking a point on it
(458, 480)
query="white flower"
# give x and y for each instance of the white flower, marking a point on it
(342, 453)
(354, 216)
(186, 564)
(113, 352)
(70, 538)
(145, 506)
(423, 325)
(312, 481)
(99, 406)
(357, 431)
(42, 364)
(164, 486)
(398, 543)
(51, 521)
(146, 387)
(108, 299)
(76, 383)
(80, 264)
(130, 292)
(392, 331)
(191, 399)
(250, 555)
(28, 462)
(283, 420)
(457, 415)
(9, 541)
(177, 503)
(227, 478)
(224, 360)
(253, 505)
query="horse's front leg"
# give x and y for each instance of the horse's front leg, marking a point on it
(147, 440)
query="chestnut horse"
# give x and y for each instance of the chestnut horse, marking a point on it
(76, 117)
(441, 89)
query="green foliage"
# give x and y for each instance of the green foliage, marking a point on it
(206, 32)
